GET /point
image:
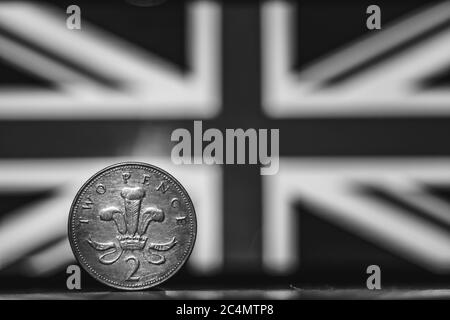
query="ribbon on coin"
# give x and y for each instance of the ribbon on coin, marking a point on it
(110, 248)
(156, 258)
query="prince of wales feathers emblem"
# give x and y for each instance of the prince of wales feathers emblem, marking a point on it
(132, 224)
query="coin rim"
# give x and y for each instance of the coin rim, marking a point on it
(87, 267)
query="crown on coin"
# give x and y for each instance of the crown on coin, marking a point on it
(136, 242)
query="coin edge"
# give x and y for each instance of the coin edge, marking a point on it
(152, 283)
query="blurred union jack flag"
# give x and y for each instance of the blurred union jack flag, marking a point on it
(363, 116)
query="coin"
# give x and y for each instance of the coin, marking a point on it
(132, 226)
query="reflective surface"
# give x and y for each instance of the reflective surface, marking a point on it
(282, 294)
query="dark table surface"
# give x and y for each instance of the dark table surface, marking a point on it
(278, 294)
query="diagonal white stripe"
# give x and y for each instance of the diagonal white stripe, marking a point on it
(331, 186)
(32, 226)
(390, 88)
(150, 87)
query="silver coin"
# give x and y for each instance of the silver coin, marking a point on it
(132, 226)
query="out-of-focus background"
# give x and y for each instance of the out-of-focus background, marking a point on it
(364, 119)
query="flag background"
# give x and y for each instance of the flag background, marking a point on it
(111, 112)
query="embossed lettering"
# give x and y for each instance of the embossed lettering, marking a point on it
(163, 187)
(126, 176)
(175, 203)
(88, 204)
(181, 221)
(134, 263)
(146, 180)
(101, 189)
